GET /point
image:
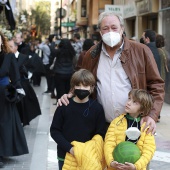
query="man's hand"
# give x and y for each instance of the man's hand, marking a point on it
(150, 124)
(64, 99)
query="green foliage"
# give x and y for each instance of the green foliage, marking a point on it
(41, 17)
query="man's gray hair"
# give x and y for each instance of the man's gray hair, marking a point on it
(18, 32)
(104, 14)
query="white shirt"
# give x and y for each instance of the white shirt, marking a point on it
(113, 84)
(17, 54)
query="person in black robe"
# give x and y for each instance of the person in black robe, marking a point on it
(37, 67)
(28, 107)
(12, 137)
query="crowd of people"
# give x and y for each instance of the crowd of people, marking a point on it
(101, 90)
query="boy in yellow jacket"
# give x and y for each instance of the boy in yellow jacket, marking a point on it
(139, 104)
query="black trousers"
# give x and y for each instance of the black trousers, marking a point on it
(36, 78)
(62, 83)
(48, 77)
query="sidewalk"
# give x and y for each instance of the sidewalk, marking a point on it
(42, 149)
(161, 159)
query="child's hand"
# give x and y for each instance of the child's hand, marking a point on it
(116, 165)
(127, 166)
(72, 151)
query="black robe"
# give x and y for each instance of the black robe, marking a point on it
(12, 137)
(35, 64)
(28, 107)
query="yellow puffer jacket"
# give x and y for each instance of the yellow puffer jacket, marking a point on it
(87, 156)
(116, 134)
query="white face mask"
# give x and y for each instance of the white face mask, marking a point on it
(111, 38)
(133, 133)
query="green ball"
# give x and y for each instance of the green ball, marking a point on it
(126, 152)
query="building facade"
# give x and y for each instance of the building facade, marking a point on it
(138, 14)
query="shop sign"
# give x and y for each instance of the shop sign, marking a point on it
(117, 9)
(68, 24)
(129, 10)
(144, 6)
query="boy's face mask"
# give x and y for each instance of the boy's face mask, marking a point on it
(81, 93)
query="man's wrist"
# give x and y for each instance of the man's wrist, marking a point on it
(70, 94)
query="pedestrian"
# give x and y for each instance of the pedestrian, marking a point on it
(149, 38)
(163, 53)
(19, 39)
(12, 138)
(88, 43)
(36, 65)
(120, 65)
(160, 44)
(52, 45)
(127, 127)
(63, 67)
(46, 62)
(28, 107)
(80, 120)
(77, 45)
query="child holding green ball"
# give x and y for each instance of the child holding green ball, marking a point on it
(126, 127)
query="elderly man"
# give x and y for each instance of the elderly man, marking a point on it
(120, 65)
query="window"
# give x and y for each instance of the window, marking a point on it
(83, 8)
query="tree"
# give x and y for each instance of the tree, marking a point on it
(41, 17)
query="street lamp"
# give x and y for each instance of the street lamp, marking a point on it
(60, 19)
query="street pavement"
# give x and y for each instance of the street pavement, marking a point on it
(42, 149)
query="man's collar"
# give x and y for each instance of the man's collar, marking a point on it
(17, 54)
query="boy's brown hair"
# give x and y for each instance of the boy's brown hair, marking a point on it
(144, 98)
(82, 76)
